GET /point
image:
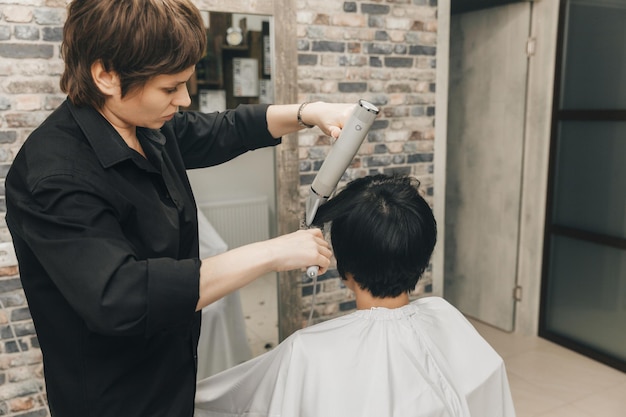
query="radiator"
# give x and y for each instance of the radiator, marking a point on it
(239, 221)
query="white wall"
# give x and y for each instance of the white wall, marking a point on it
(249, 175)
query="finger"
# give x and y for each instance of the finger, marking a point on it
(324, 260)
(323, 267)
(316, 232)
(321, 241)
(325, 249)
(335, 131)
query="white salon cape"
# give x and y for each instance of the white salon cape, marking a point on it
(421, 360)
(223, 341)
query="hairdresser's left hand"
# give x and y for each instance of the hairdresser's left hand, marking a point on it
(299, 250)
(224, 273)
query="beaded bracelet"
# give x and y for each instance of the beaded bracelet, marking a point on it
(300, 122)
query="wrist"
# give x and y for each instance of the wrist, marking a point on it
(301, 122)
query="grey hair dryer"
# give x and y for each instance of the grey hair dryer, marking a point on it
(338, 160)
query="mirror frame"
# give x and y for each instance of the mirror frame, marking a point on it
(289, 209)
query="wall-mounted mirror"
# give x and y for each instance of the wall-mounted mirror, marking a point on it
(242, 198)
(237, 67)
(237, 198)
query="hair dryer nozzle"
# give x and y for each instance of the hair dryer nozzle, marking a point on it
(312, 204)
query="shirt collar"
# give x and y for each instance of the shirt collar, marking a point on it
(106, 142)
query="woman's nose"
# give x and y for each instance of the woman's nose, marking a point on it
(182, 97)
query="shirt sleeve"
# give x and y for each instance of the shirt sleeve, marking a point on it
(207, 139)
(76, 236)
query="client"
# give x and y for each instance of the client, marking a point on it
(391, 357)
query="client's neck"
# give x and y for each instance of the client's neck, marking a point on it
(365, 300)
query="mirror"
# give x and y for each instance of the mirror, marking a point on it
(237, 67)
(265, 179)
(238, 197)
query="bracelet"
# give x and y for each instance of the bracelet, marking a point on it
(300, 122)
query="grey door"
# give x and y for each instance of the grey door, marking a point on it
(486, 112)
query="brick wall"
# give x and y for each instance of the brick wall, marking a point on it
(30, 67)
(384, 52)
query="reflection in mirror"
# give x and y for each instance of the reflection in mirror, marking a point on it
(238, 197)
(237, 66)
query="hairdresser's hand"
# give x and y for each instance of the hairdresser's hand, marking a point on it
(299, 250)
(224, 273)
(330, 117)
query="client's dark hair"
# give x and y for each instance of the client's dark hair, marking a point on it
(382, 231)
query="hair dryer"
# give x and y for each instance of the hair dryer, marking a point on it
(338, 160)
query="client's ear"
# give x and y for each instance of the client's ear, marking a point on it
(349, 282)
(108, 82)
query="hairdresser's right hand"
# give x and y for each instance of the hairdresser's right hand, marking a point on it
(299, 250)
(329, 117)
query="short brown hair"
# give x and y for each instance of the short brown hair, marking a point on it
(138, 39)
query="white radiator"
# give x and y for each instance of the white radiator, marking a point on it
(239, 221)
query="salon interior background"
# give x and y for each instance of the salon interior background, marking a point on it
(393, 53)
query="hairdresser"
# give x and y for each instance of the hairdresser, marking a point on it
(104, 221)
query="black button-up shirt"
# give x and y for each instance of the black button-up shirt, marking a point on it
(107, 244)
